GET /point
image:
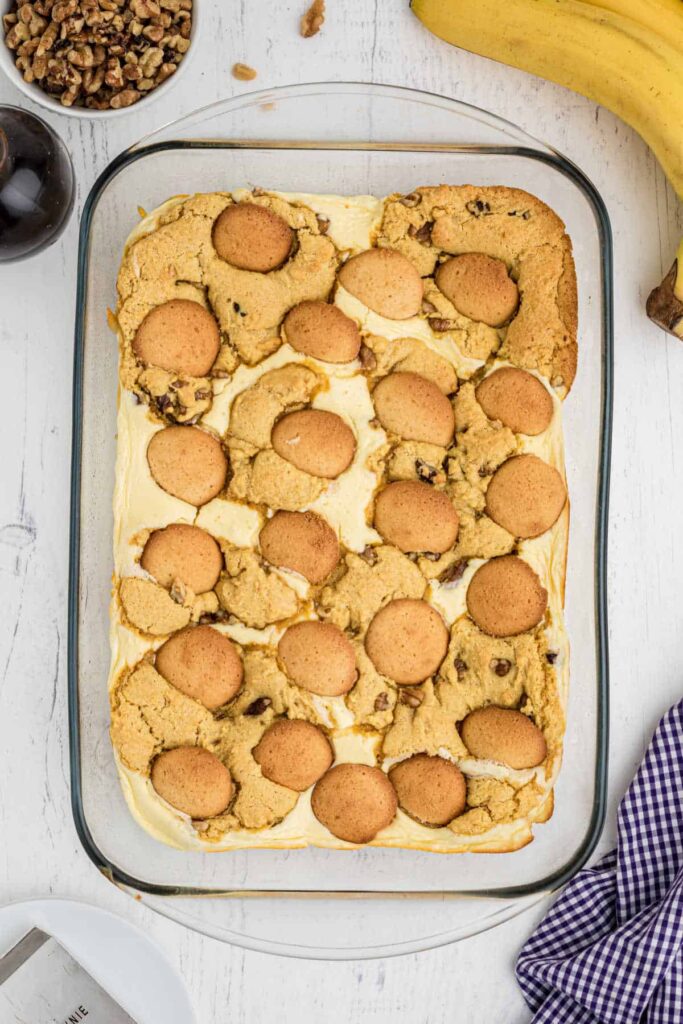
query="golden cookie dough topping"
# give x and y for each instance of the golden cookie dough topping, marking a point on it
(302, 542)
(346, 442)
(255, 410)
(430, 789)
(319, 657)
(180, 336)
(505, 597)
(321, 330)
(385, 281)
(315, 441)
(193, 780)
(252, 593)
(415, 517)
(354, 802)
(366, 582)
(203, 664)
(479, 287)
(188, 463)
(408, 355)
(526, 496)
(511, 226)
(414, 408)
(183, 553)
(263, 474)
(150, 608)
(406, 641)
(294, 753)
(251, 237)
(504, 735)
(172, 256)
(150, 716)
(517, 399)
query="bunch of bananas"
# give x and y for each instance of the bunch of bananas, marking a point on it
(625, 54)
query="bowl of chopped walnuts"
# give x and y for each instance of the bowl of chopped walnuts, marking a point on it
(96, 58)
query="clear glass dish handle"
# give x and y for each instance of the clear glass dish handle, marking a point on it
(346, 921)
(389, 112)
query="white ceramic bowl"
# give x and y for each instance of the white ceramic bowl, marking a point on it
(33, 91)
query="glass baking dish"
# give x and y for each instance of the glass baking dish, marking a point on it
(341, 138)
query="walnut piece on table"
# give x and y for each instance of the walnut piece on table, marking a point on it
(313, 19)
(243, 72)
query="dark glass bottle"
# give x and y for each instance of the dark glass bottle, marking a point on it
(36, 184)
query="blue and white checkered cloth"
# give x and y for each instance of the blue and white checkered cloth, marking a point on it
(611, 948)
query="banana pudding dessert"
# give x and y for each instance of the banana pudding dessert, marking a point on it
(341, 519)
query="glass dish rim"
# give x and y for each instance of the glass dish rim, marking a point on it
(544, 154)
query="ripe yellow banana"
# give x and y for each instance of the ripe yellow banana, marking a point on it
(625, 54)
(665, 17)
(613, 59)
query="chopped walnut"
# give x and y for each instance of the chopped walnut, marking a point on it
(478, 207)
(411, 699)
(243, 72)
(425, 471)
(460, 667)
(454, 572)
(258, 706)
(179, 592)
(369, 555)
(368, 359)
(422, 234)
(441, 324)
(313, 19)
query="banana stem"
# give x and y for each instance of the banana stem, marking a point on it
(678, 285)
(665, 302)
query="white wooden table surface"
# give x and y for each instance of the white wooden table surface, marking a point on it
(39, 850)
